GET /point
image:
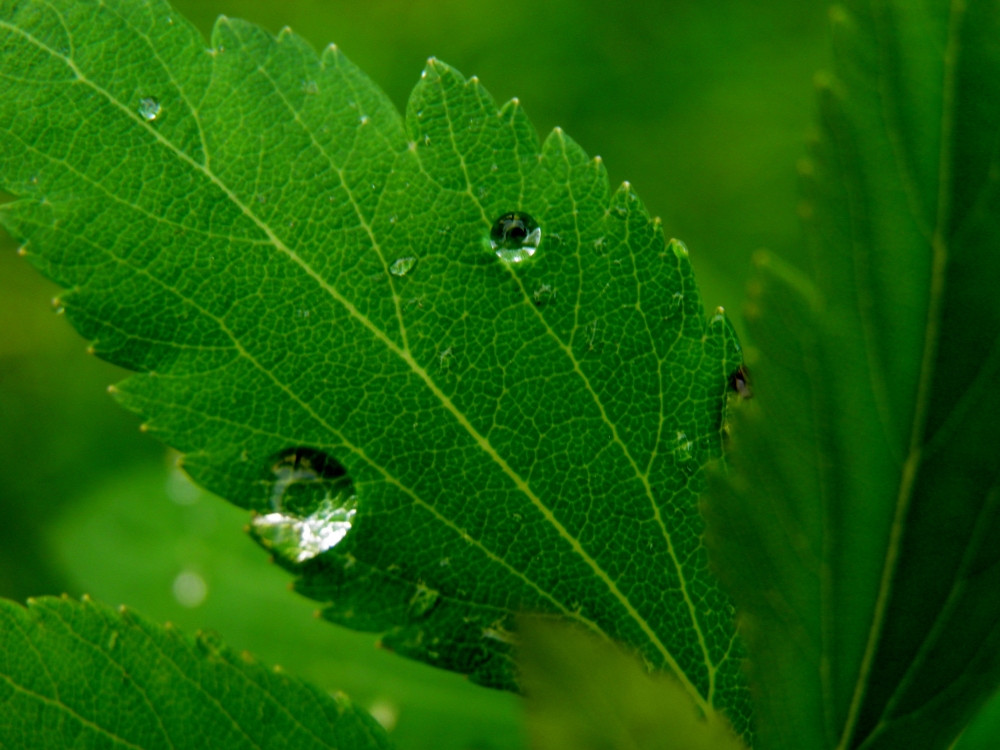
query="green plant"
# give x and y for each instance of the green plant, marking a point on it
(459, 381)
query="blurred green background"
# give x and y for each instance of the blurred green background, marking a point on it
(702, 106)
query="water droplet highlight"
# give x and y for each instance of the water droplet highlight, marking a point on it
(149, 108)
(515, 237)
(402, 266)
(190, 589)
(313, 501)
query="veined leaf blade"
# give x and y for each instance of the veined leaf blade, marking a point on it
(860, 529)
(77, 674)
(520, 438)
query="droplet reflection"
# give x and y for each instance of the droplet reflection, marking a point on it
(402, 266)
(515, 237)
(149, 108)
(313, 504)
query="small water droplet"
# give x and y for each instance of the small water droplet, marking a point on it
(427, 140)
(402, 266)
(392, 219)
(364, 119)
(515, 237)
(422, 600)
(149, 108)
(310, 87)
(314, 504)
(190, 589)
(543, 294)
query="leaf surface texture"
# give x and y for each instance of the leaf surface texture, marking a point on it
(80, 675)
(297, 270)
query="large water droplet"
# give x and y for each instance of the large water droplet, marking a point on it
(515, 237)
(149, 108)
(313, 501)
(402, 266)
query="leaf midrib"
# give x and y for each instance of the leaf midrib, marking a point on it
(939, 247)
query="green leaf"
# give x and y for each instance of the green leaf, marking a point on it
(984, 730)
(860, 531)
(586, 694)
(306, 283)
(80, 675)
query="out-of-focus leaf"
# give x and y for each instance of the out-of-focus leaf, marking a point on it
(79, 675)
(59, 429)
(308, 284)
(587, 694)
(860, 531)
(984, 731)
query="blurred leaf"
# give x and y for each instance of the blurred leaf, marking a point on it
(59, 430)
(83, 676)
(140, 535)
(586, 694)
(242, 223)
(984, 731)
(860, 533)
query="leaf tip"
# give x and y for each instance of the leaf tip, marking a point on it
(679, 248)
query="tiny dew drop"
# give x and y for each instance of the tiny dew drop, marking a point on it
(149, 108)
(515, 237)
(402, 266)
